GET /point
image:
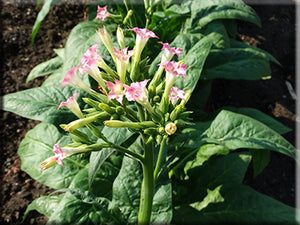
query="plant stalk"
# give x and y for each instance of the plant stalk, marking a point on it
(147, 190)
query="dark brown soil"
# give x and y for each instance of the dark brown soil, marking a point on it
(277, 36)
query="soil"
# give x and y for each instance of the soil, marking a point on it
(277, 36)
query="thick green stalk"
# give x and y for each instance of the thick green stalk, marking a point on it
(147, 190)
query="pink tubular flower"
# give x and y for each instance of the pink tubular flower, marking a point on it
(122, 61)
(142, 37)
(137, 92)
(89, 60)
(73, 80)
(117, 90)
(59, 154)
(169, 52)
(89, 63)
(72, 105)
(174, 69)
(102, 13)
(175, 94)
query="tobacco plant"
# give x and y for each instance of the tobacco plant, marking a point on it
(124, 137)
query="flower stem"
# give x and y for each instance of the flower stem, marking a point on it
(147, 190)
(159, 159)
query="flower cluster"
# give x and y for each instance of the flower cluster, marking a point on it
(156, 99)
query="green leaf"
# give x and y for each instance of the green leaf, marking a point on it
(41, 16)
(37, 146)
(117, 136)
(260, 160)
(79, 207)
(41, 103)
(204, 12)
(127, 188)
(222, 169)
(194, 59)
(235, 204)
(262, 117)
(235, 131)
(236, 63)
(45, 68)
(45, 205)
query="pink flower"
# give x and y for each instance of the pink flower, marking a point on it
(117, 90)
(170, 128)
(174, 70)
(137, 92)
(141, 38)
(124, 54)
(59, 154)
(169, 52)
(175, 94)
(143, 33)
(102, 13)
(122, 62)
(89, 60)
(72, 105)
(73, 80)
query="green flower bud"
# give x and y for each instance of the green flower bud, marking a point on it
(156, 99)
(82, 122)
(120, 110)
(92, 103)
(151, 131)
(118, 123)
(107, 108)
(120, 37)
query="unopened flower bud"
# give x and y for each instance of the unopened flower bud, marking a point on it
(120, 37)
(120, 110)
(118, 123)
(170, 128)
(107, 108)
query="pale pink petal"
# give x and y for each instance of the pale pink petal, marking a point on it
(102, 13)
(59, 154)
(69, 102)
(144, 33)
(117, 90)
(175, 94)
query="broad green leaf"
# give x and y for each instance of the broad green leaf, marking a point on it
(204, 12)
(235, 131)
(194, 59)
(55, 79)
(236, 63)
(45, 68)
(235, 204)
(117, 136)
(37, 146)
(45, 205)
(262, 117)
(127, 187)
(41, 103)
(222, 169)
(41, 16)
(260, 160)
(79, 207)
(238, 44)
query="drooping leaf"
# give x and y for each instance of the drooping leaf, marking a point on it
(222, 169)
(37, 146)
(45, 205)
(41, 103)
(235, 131)
(236, 63)
(262, 117)
(204, 12)
(234, 203)
(41, 16)
(45, 68)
